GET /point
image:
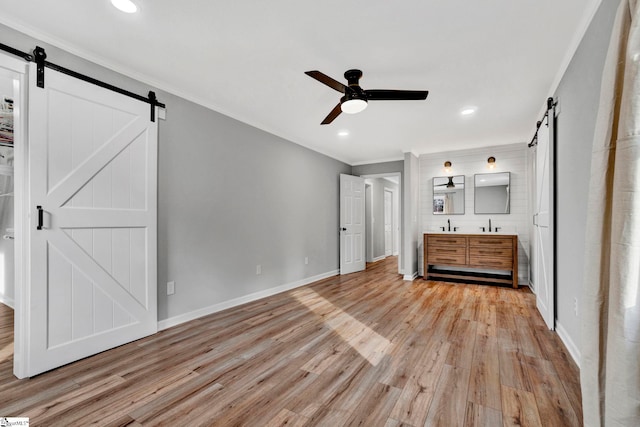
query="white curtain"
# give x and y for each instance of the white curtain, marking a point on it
(610, 366)
(448, 203)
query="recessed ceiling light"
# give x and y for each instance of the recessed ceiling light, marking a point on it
(343, 133)
(126, 6)
(467, 111)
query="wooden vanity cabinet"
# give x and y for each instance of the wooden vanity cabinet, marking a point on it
(472, 251)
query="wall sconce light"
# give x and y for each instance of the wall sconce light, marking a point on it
(491, 162)
(447, 166)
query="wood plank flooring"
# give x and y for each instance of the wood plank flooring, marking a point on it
(364, 349)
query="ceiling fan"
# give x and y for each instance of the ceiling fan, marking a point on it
(449, 184)
(355, 98)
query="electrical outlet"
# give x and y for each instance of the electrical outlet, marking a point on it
(306, 260)
(171, 288)
(575, 305)
(258, 270)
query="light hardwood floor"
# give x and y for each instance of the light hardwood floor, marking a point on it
(363, 349)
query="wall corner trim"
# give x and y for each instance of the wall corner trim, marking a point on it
(186, 317)
(568, 342)
(410, 277)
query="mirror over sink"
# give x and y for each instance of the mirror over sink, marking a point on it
(492, 193)
(448, 195)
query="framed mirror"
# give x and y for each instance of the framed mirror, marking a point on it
(492, 193)
(448, 195)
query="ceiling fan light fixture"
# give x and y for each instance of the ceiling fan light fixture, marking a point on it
(353, 105)
(126, 6)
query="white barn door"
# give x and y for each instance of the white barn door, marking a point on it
(352, 237)
(543, 224)
(93, 208)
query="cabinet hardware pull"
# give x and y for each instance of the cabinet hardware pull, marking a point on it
(40, 217)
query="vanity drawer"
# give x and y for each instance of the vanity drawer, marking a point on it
(490, 262)
(447, 240)
(497, 251)
(448, 259)
(491, 241)
(457, 251)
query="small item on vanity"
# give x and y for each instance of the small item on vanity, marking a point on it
(497, 228)
(489, 225)
(444, 228)
(449, 224)
(483, 229)
(455, 228)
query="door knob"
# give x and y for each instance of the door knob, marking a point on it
(344, 229)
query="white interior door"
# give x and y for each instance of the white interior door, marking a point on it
(93, 191)
(388, 223)
(352, 228)
(543, 223)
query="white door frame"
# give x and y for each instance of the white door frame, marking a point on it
(393, 219)
(368, 226)
(396, 219)
(400, 207)
(18, 69)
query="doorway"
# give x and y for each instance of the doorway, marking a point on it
(12, 153)
(383, 225)
(7, 250)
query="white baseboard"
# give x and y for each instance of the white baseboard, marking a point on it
(568, 342)
(7, 301)
(411, 277)
(380, 258)
(186, 317)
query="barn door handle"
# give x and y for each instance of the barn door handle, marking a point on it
(40, 217)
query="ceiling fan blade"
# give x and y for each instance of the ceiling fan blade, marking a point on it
(396, 95)
(323, 78)
(332, 115)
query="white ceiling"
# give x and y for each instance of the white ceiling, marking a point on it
(247, 59)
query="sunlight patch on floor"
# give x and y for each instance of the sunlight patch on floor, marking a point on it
(371, 345)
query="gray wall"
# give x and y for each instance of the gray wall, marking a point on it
(230, 197)
(578, 96)
(233, 197)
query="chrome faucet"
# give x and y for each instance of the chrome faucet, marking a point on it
(489, 225)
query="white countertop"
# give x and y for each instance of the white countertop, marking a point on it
(475, 233)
